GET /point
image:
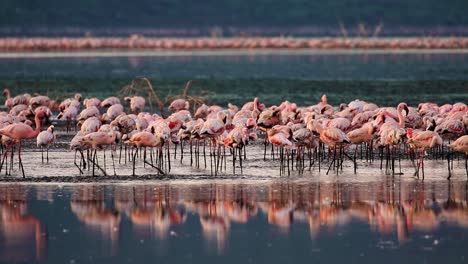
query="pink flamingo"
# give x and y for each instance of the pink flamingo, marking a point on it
(12, 101)
(137, 103)
(100, 140)
(145, 139)
(364, 134)
(110, 101)
(460, 145)
(423, 140)
(334, 138)
(179, 104)
(44, 139)
(90, 102)
(18, 132)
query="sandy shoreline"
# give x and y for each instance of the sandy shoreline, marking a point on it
(223, 52)
(62, 170)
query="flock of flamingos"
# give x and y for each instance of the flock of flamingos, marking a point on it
(292, 135)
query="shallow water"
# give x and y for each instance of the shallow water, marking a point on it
(302, 77)
(258, 215)
(276, 221)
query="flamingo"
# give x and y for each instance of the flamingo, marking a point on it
(460, 145)
(100, 140)
(45, 139)
(364, 134)
(179, 104)
(281, 136)
(137, 103)
(18, 132)
(69, 113)
(10, 102)
(88, 112)
(90, 102)
(40, 100)
(110, 101)
(90, 125)
(144, 139)
(333, 137)
(423, 140)
(77, 144)
(113, 112)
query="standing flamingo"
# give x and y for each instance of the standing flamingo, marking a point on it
(333, 137)
(423, 140)
(460, 145)
(45, 139)
(145, 139)
(18, 132)
(100, 140)
(137, 103)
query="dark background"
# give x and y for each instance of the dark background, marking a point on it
(234, 17)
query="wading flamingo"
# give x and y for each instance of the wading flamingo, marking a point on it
(18, 132)
(45, 139)
(460, 145)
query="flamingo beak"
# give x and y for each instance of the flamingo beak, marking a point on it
(406, 110)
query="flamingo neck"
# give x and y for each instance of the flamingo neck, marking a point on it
(38, 126)
(401, 117)
(8, 94)
(318, 126)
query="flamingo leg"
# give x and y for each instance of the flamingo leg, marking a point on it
(333, 161)
(19, 158)
(466, 165)
(240, 160)
(11, 159)
(104, 150)
(448, 166)
(422, 162)
(76, 164)
(9, 146)
(47, 154)
(233, 161)
(94, 161)
(168, 157)
(134, 160)
(42, 154)
(120, 154)
(83, 158)
(113, 162)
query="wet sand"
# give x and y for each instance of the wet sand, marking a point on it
(61, 168)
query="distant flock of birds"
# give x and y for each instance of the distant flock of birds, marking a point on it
(141, 42)
(316, 133)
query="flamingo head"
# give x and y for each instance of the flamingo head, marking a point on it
(51, 129)
(6, 91)
(78, 97)
(403, 107)
(41, 114)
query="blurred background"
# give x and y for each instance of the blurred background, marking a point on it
(234, 18)
(419, 71)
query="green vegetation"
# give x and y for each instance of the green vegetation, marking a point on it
(270, 91)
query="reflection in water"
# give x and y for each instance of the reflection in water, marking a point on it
(88, 204)
(159, 211)
(21, 236)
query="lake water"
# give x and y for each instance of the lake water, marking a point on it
(369, 217)
(224, 221)
(302, 77)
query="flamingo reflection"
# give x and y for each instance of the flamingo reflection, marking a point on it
(21, 237)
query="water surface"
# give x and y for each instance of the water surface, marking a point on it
(262, 221)
(302, 77)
